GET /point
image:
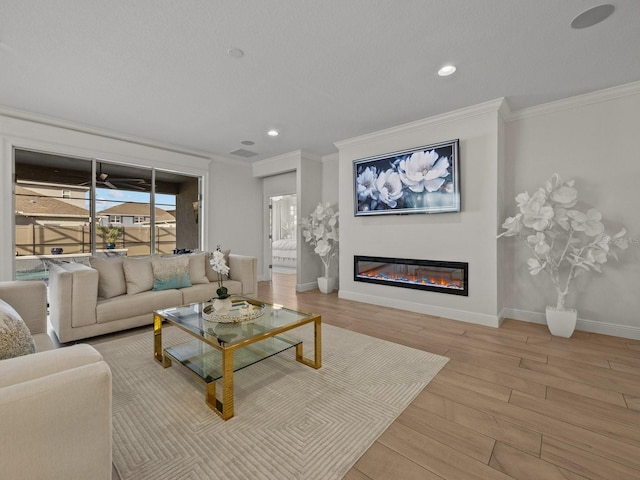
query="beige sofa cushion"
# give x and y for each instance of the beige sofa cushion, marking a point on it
(129, 306)
(15, 337)
(111, 281)
(138, 274)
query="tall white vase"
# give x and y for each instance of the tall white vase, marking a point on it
(561, 321)
(326, 284)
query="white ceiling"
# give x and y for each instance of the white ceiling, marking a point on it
(320, 71)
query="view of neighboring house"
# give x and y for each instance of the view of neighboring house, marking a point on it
(48, 206)
(130, 213)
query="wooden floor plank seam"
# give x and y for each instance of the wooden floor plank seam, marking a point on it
(519, 363)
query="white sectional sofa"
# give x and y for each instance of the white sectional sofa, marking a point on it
(122, 292)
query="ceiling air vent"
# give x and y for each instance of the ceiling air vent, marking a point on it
(241, 152)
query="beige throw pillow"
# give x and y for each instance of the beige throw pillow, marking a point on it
(15, 337)
(197, 270)
(111, 281)
(138, 274)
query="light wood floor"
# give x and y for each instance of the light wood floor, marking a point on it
(512, 402)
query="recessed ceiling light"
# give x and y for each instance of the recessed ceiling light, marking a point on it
(446, 70)
(273, 133)
(592, 16)
(247, 142)
(235, 53)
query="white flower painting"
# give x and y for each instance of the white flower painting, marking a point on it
(423, 180)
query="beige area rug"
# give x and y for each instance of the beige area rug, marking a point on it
(291, 421)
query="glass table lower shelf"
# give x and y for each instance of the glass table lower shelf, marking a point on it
(206, 361)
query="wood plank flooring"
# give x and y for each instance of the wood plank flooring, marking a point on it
(513, 402)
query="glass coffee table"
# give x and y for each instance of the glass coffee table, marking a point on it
(249, 333)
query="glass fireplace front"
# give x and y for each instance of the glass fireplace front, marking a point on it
(430, 275)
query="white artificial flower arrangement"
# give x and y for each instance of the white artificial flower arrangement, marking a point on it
(219, 265)
(321, 231)
(564, 241)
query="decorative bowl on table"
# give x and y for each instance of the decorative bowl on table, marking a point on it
(241, 311)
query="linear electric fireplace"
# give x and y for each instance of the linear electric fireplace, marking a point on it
(431, 275)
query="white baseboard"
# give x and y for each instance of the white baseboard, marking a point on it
(454, 314)
(593, 326)
(303, 287)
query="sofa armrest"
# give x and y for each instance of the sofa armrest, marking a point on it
(58, 426)
(73, 296)
(29, 299)
(37, 365)
(244, 269)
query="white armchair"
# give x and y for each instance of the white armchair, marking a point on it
(55, 405)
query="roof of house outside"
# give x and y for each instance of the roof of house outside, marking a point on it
(30, 203)
(138, 210)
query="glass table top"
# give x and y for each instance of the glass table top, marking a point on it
(228, 335)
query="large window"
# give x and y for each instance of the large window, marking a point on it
(67, 209)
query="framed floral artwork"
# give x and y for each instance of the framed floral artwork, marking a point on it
(418, 180)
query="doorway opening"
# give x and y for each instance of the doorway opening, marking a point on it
(283, 221)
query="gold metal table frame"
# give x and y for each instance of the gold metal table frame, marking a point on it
(273, 324)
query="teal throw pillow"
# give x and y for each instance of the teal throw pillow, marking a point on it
(171, 272)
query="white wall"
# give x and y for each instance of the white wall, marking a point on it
(234, 213)
(309, 195)
(330, 178)
(595, 140)
(468, 236)
(330, 195)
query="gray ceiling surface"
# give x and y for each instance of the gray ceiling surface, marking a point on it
(318, 71)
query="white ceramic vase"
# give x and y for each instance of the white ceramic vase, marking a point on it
(561, 321)
(326, 284)
(222, 305)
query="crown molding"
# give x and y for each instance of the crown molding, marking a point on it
(99, 132)
(491, 106)
(626, 90)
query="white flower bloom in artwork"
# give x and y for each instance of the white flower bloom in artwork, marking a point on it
(424, 171)
(564, 242)
(366, 184)
(389, 187)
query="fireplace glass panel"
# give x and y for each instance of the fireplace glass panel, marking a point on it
(430, 275)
